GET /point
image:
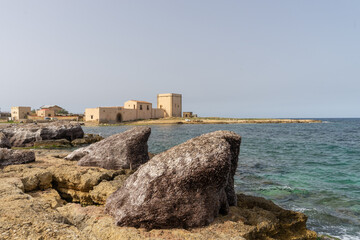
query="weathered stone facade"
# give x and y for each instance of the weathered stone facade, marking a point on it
(169, 105)
(18, 113)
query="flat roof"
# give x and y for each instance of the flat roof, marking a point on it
(169, 94)
(138, 101)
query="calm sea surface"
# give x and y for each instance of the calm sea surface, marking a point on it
(312, 168)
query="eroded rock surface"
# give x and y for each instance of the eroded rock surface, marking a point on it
(11, 157)
(127, 150)
(32, 208)
(72, 182)
(186, 186)
(4, 141)
(24, 135)
(75, 183)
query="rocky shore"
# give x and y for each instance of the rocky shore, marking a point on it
(186, 192)
(210, 120)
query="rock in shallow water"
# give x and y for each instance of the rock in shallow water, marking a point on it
(11, 157)
(186, 186)
(58, 143)
(24, 135)
(127, 150)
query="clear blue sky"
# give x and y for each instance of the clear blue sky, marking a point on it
(276, 58)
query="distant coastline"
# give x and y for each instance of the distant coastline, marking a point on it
(209, 120)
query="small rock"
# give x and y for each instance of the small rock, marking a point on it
(4, 141)
(11, 157)
(88, 139)
(58, 143)
(103, 190)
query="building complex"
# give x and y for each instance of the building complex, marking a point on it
(168, 105)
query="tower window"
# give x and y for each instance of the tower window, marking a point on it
(147, 107)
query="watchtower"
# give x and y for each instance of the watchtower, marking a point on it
(171, 103)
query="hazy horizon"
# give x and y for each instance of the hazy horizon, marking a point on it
(245, 59)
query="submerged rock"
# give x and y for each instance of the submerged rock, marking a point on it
(24, 135)
(88, 139)
(11, 157)
(127, 150)
(186, 186)
(4, 141)
(58, 143)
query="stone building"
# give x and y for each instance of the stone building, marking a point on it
(18, 113)
(169, 105)
(45, 112)
(5, 115)
(187, 114)
(54, 108)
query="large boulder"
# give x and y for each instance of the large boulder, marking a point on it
(24, 135)
(4, 141)
(186, 186)
(11, 157)
(127, 150)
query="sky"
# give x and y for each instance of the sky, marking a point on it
(246, 59)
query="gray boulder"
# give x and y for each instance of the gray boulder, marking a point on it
(186, 186)
(127, 150)
(11, 157)
(24, 135)
(4, 141)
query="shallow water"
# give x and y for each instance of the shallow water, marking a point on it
(312, 168)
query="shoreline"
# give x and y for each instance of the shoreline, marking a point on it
(168, 121)
(51, 186)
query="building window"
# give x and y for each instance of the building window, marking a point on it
(92, 116)
(134, 106)
(147, 107)
(160, 106)
(140, 107)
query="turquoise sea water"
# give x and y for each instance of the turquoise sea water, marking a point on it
(312, 168)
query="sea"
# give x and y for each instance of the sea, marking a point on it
(312, 168)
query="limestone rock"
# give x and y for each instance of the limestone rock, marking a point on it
(254, 219)
(87, 139)
(4, 141)
(10, 157)
(25, 217)
(58, 143)
(127, 150)
(24, 135)
(32, 178)
(186, 186)
(36, 179)
(49, 196)
(74, 183)
(104, 189)
(42, 214)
